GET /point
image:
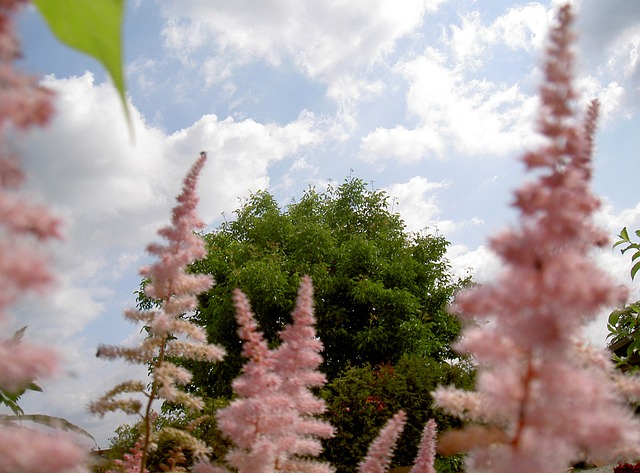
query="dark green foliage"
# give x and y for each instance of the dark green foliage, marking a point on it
(379, 292)
(624, 324)
(362, 399)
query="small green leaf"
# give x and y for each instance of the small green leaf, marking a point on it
(624, 234)
(11, 401)
(93, 27)
(614, 317)
(633, 308)
(18, 335)
(34, 387)
(635, 269)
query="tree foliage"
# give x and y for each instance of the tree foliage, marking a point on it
(380, 292)
(363, 398)
(624, 323)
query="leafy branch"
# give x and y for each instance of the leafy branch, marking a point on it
(624, 324)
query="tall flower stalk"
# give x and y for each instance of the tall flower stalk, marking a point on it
(25, 228)
(273, 422)
(169, 333)
(380, 453)
(539, 403)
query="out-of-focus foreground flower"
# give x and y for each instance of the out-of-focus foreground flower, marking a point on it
(540, 405)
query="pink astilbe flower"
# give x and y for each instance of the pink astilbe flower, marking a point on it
(297, 361)
(130, 462)
(424, 462)
(24, 226)
(24, 450)
(169, 333)
(261, 414)
(542, 405)
(272, 423)
(378, 459)
(24, 229)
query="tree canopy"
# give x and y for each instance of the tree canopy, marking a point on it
(380, 291)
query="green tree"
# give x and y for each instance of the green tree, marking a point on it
(362, 399)
(380, 292)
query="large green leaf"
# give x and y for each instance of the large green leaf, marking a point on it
(48, 421)
(93, 27)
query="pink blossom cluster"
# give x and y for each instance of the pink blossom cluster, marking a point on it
(380, 453)
(274, 423)
(378, 459)
(25, 227)
(540, 403)
(169, 333)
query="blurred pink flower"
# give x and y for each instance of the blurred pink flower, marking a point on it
(24, 229)
(273, 422)
(549, 405)
(380, 451)
(169, 333)
(424, 462)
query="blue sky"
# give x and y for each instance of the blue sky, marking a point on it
(432, 101)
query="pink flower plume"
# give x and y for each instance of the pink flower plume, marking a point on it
(24, 229)
(378, 459)
(273, 422)
(427, 453)
(170, 333)
(544, 405)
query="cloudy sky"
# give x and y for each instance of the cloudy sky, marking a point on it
(432, 101)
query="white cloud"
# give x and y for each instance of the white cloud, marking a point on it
(399, 143)
(610, 49)
(114, 194)
(416, 203)
(521, 27)
(322, 39)
(481, 263)
(475, 117)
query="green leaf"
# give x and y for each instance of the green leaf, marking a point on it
(624, 234)
(34, 387)
(614, 317)
(18, 335)
(635, 269)
(93, 27)
(48, 421)
(11, 401)
(633, 347)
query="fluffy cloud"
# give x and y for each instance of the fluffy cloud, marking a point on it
(322, 39)
(114, 192)
(610, 47)
(464, 101)
(400, 143)
(475, 117)
(521, 27)
(456, 105)
(416, 203)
